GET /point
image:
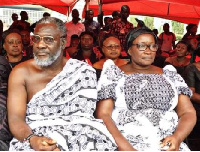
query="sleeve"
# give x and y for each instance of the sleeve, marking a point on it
(190, 76)
(177, 81)
(108, 81)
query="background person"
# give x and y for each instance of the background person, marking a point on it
(111, 49)
(144, 107)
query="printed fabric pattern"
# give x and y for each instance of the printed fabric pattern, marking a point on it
(144, 104)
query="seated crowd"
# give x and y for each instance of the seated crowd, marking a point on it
(87, 86)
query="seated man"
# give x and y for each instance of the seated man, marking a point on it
(5, 135)
(51, 99)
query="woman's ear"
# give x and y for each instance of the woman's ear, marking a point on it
(129, 52)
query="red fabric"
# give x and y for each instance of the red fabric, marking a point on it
(186, 12)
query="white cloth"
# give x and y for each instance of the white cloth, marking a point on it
(73, 29)
(64, 109)
(143, 104)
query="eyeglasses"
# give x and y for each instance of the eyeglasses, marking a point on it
(143, 47)
(47, 39)
(110, 47)
(11, 42)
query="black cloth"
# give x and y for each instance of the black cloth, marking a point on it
(92, 58)
(13, 64)
(192, 78)
(5, 135)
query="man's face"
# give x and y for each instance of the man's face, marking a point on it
(48, 45)
(125, 12)
(90, 15)
(25, 37)
(75, 14)
(166, 28)
(86, 42)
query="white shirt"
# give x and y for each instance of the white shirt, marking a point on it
(73, 29)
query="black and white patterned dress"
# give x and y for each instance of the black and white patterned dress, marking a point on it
(64, 109)
(144, 104)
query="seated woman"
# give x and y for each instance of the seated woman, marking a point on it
(145, 107)
(180, 61)
(12, 44)
(111, 49)
(192, 74)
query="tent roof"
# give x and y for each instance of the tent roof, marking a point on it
(186, 11)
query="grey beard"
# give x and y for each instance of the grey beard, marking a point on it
(47, 62)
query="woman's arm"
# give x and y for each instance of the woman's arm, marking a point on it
(104, 111)
(187, 120)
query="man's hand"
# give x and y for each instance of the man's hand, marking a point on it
(43, 144)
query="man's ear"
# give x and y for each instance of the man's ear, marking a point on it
(63, 43)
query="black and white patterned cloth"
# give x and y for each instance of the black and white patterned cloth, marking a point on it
(64, 109)
(145, 104)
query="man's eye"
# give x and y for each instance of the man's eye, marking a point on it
(48, 39)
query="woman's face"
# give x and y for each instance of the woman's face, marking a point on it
(13, 44)
(181, 50)
(111, 48)
(141, 56)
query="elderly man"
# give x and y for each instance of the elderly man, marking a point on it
(51, 99)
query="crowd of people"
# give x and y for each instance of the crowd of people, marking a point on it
(100, 86)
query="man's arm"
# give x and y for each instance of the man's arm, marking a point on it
(17, 104)
(17, 101)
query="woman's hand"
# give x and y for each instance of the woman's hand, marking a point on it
(43, 144)
(170, 143)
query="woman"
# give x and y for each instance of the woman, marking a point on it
(180, 61)
(193, 81)
(12, 44)
(111, 49)
(145, 107)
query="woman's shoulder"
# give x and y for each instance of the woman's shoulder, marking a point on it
(99, 64)
(111, 70)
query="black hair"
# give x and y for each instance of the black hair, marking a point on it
(7, 32)
(105, 37)
(186, 43)
(88, 33)
(134, 33)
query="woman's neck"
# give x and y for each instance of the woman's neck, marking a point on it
(14, 58)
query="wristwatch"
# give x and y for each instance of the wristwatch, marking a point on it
(27, 139)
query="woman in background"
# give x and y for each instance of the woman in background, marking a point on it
(111, 49)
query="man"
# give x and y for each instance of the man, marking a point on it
(122, 26)
(167, 41)
(15, 20)
(27, 47)
(51, 99)
(74, 26)
(90, 24)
